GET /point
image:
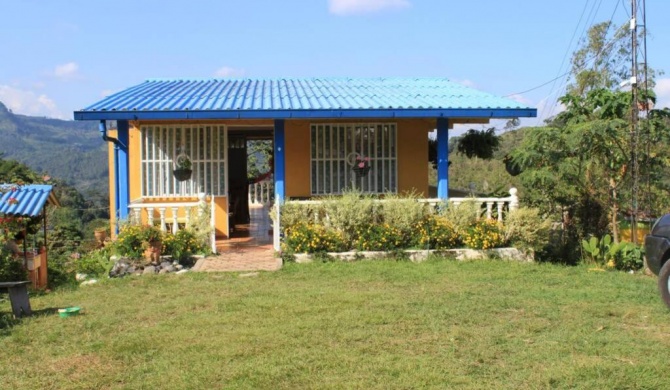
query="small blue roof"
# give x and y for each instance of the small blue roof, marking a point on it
(30, 199)
(302, 98)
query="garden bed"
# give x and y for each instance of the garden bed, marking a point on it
(418, 255)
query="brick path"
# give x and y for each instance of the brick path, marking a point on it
(241, 258)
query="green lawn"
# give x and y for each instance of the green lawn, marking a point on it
(372, 324)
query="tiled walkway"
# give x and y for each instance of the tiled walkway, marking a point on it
(249, 248)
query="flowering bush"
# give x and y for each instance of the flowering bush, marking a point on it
(436, 232)
(484, 234)
(383, 237)
(307, 238)
(133, 240)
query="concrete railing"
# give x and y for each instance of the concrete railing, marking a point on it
(157, 213)
(261, 193)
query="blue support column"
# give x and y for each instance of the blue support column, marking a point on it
(280, 161)
(443, 158)
(122, 164)
(279, 174)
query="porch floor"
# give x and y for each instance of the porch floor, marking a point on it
(248, 249)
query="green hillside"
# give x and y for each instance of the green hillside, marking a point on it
(69, 150)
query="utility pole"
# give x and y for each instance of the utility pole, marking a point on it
(634, 135)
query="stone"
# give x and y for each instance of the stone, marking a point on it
(165, 264)
(179, 266)
(180, 272)
(163, 271)
(80, 277)
(150, 269)
(130, 270)
(88, 282)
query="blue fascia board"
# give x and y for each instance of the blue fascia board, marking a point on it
(307, 114)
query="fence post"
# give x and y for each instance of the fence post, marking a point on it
(513, 199)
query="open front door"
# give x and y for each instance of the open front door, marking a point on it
(237, 180)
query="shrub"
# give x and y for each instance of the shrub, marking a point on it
(308, 238)
(350, 212)
(463, 216)
(435, 232)
(484, 234)
(627, 256)
(96, 262)
(293, 214)
(381, 237)
(11, 268)
(402, 212)
(527, 229)
(134, 239)
(183, 245)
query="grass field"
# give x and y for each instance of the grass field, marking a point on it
(375, 324)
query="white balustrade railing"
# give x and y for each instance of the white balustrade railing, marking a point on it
(154, 213)
(261, 193)
(512, 203)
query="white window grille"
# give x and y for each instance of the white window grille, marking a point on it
(335, 147)
(205, 145)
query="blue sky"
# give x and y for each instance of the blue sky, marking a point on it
(60, 56)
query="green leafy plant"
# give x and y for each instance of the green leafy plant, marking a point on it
(626, 256)
(95, 263)
(526, 228)
(596, 250)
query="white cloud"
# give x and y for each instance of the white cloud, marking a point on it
(348, 7)
(466, 83)
(107, 92)
(662, 93)
(67, 71)
(28, 102)
(227, 71)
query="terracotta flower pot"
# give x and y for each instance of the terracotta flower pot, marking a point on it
(153, 252)
(100, 235)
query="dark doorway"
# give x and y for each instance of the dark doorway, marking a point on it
(237, 179)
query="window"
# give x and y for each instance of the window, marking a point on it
(205, 145)
(335, 148)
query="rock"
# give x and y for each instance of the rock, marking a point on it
(169, 268)
(165, 264)
(163, 271)
(130, 270)
(150, 269)
(138, 272)
(80, 277)
(179, 266)
(182, 271)
(88, 282)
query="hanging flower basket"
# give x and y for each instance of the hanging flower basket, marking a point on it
(511, 167)
(361, 166)
(182, 167)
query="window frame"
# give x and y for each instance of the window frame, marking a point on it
(205, 144)
(383, 176)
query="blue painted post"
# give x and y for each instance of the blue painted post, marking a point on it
(279, 172)
(443, 158)
(123, 189)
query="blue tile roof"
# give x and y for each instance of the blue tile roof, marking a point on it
(30, 199)
(301, 98)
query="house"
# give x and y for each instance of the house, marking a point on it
(322, 129)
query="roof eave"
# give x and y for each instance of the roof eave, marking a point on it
(308, 114)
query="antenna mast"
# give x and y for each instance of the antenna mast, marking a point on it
(634, 134)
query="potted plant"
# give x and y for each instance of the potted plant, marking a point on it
(182, 167)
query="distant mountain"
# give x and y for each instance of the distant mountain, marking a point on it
(68, 150)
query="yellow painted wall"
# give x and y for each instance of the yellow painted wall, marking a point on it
(298, 162)
(412, 143)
